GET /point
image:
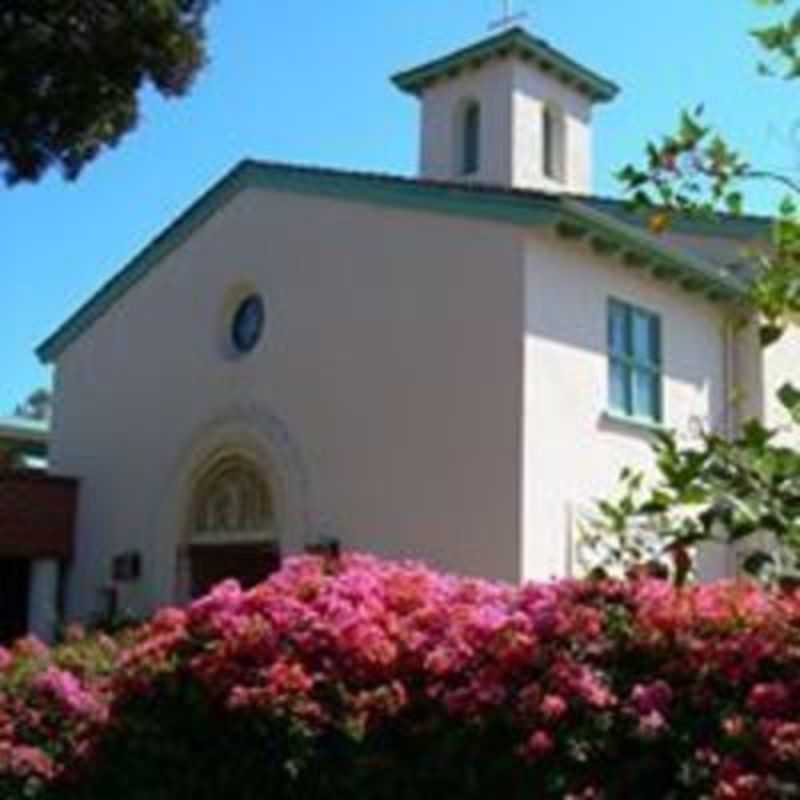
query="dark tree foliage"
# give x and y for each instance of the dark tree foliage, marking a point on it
(71, 71)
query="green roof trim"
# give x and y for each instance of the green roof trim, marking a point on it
(462, 200)
(24, 428)
(743, 227)
(608, 235)
(516, 41)
(160, 247)
(641, 249)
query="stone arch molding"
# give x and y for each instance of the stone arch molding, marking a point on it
(257, 436)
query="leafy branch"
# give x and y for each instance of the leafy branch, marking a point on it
(743, 491)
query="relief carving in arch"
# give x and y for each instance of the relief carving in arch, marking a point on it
(232, 501)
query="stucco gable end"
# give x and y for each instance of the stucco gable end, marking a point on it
(605, 233)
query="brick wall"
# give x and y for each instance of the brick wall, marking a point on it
(37, 515)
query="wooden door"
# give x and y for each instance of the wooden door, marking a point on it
(249, 564)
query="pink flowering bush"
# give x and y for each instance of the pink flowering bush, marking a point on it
(53, 707)
(369, 679)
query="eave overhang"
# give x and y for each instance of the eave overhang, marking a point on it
(514, 42)
(636, 249)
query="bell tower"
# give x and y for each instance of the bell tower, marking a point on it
(510, 111)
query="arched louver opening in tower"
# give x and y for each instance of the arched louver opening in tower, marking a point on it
(471, 140)
(553, 143)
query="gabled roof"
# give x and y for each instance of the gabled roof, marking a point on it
(573, 217)
(518, 42)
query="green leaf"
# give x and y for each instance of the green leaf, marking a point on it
(735, 203)
(769, 334)
(756, 562)
(789, 397)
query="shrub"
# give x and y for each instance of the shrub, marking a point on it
(363, 678)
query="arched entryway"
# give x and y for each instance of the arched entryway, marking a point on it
(232, 526)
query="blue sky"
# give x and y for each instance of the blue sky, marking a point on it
(307, 82)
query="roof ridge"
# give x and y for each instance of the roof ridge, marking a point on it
(462, 186)
(482, 187)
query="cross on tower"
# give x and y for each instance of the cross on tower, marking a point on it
(509, 18)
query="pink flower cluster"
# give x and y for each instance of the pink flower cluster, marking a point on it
(49, 716)
(579, 671)
(66, 692)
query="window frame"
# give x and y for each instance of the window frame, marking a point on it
(634, 363)
(243, 341)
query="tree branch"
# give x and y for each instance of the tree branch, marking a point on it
(785, 180)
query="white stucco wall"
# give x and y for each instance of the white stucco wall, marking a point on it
(442, 103)
(758, 372)
(512, 95)
(781, 362)
(532, 91)
(573, 454)
(384, 399)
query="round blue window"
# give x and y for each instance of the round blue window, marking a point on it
(248, 324)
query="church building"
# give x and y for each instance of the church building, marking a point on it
(448, 367)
